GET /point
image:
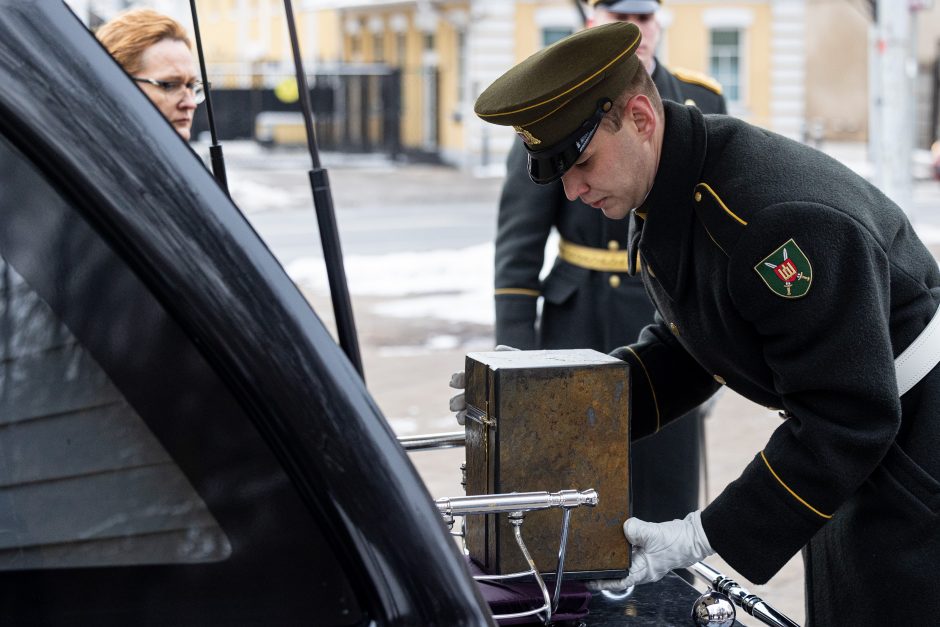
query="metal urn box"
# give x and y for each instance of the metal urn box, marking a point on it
(549, 420)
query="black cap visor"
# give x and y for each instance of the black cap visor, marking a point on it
(549, 165)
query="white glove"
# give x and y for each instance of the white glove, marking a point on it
(458, 403)
(659, 548)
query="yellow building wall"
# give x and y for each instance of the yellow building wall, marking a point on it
(322, 31)
(685, 44)
(757, 54)
(278, 38)
(412, 98)
(326, 36)
(225, 40)
(688, 42)
(448, 46)
(528, 40)
(414, 108)
(219, 34)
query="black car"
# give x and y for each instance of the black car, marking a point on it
(181, 440)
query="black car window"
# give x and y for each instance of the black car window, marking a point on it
(134, 487)
(83, 481)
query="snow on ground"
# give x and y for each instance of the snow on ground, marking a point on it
(453, 285)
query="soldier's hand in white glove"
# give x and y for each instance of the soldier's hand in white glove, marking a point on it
(458, 403)
(659, 548)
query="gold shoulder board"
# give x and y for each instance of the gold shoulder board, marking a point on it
(696, 78)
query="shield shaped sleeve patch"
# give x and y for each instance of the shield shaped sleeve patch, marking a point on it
(786, 271)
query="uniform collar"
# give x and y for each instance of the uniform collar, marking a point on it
(665, 241)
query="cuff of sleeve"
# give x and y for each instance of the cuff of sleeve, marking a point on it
(515, 321)
(754, 528)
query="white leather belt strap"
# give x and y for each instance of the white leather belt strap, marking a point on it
(920, 357)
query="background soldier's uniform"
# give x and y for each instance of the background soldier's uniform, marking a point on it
(600, 308)
(853, 471)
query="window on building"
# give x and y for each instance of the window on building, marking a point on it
(725, 61)
(551, 34)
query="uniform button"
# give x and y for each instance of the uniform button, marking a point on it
(613, 245)
(698, 196)
(720, 379)
(674, 328)
(689, 101)
(614, 281)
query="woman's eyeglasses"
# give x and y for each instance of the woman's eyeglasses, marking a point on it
(175, 88)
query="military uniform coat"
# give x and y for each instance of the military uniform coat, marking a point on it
(852, 473)
(583, 308)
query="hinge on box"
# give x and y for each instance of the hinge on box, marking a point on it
(483, 417)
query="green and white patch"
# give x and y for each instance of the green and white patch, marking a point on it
(786, 271)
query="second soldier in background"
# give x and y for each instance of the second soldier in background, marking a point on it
(589, 300)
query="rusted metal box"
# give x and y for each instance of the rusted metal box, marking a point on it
(549, 420)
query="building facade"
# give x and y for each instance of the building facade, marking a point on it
(448, 51)
(797, 67)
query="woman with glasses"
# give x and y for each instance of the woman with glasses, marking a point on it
(156, 52)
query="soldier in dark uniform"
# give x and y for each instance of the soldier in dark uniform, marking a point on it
(780, 273)
(589, 299)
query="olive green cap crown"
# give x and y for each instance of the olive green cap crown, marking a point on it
(552, 93)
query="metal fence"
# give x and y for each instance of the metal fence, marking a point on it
(355, 109)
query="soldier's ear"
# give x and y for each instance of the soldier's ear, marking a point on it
(639, 112)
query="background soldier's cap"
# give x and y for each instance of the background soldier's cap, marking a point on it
(631, 7)
(556, 98)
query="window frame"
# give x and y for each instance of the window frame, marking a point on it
(734, 87)
(742, 20)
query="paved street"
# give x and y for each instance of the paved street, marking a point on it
(417, 241)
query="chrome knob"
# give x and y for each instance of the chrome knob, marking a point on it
(713, 609)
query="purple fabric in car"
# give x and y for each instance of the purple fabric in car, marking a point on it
(511, 596)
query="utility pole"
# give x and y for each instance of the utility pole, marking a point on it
(891, 89)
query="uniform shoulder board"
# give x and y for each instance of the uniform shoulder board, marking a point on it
(696, 78)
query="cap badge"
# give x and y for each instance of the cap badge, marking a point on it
(786, 271)
(526, 136)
